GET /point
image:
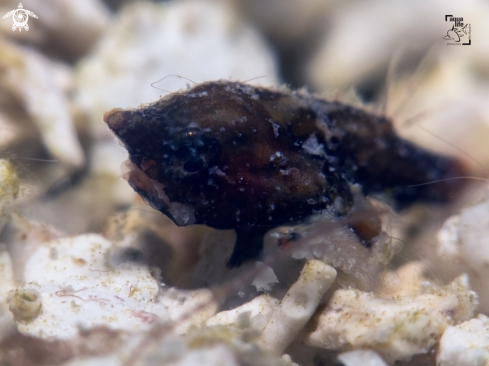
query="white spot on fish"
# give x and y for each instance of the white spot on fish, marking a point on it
(275, 127)
(313, 147)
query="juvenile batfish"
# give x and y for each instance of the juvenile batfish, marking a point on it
(234, 156)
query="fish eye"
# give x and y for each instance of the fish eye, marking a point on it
(184, 153)
(194, 164)
(190, 152)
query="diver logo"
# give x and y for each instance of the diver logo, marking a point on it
(20, 17)
(458, 31)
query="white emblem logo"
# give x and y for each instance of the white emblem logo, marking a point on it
(20, 16)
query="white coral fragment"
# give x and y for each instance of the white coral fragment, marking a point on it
(217, 355)
(395, 328)
(9, 189)
(265, 279)
(298, 305)
(40, 86)
(466, 237)
(257, 311)
(7, 324)
(188, 308)
(361, 358)
(279, 322)
(80, 288)
(406, 280)
(465, 344)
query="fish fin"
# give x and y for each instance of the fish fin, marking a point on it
(248, 246)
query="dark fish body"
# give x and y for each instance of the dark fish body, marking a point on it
(234, 156)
